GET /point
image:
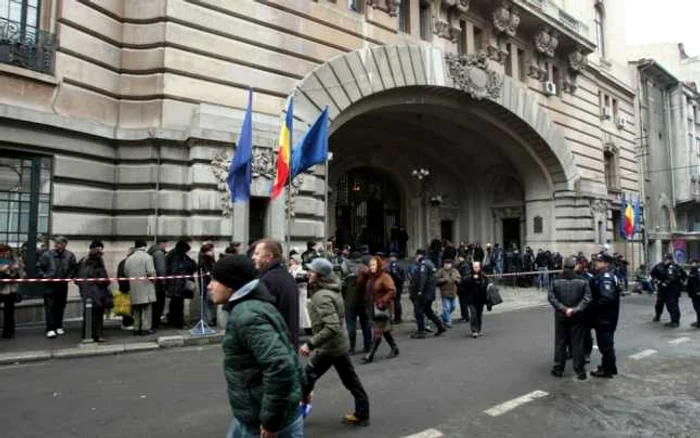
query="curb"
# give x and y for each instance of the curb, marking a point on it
(93, 350)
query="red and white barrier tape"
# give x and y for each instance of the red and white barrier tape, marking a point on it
(98, 280)
(519, 274)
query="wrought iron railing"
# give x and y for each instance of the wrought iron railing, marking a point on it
(27, 47)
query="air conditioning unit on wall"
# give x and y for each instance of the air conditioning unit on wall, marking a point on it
(621, 122)
(607, 113)
(550, 88)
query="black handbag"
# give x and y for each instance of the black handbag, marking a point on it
(493, 295)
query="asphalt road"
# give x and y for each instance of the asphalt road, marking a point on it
(444, 384)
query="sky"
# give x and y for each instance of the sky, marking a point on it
(677, 21)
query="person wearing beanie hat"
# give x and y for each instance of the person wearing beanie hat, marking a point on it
(142, 293)
(97, 292)
(329, 342)
(56, 263)
(263, 372)
(570, 296)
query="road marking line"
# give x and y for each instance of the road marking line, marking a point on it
(512, 404)
(429, 433)
(643, 354)
(679, 340)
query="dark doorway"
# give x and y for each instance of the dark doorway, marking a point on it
(511, 232)
(258, 218)
(446, 232)
(368, 206)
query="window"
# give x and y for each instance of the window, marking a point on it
(508, 65)
(615, 108)
(405, 17)
(522, 65)
(355, 5)
(556, 78)
(19, 19)
(611, 173)
(600, 30)
(426, 31)
(462, 40)
(538, 226)
(697, 145)
(22, 43)
(477, 40)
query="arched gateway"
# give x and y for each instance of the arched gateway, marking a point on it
(496, 164)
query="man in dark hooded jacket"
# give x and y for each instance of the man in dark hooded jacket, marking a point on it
(179, 263)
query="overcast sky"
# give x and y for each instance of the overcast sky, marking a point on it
(654, 21)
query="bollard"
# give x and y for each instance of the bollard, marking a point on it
(87, 321)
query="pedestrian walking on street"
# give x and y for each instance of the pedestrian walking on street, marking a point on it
(158, 252)
(95, 292)
(10, 270)
(464, 267)
(380, 289)
(569, 296)
(264, 376)
(422, 294)
(56, 263)
(606, 312)
(329, 342)
(267, 257)
(475, 286)
(694, 291)
(397, 274)
(448, 279)
(179, 289)
(670, 278)
(356, 304)
(143, 292)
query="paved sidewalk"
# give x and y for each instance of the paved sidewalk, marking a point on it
(31, 344)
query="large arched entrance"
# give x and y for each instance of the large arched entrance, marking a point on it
(368, 206)
(495, 161)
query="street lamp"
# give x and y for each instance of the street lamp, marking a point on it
(421, 173)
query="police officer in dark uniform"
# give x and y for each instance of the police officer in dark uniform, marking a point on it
(694, 290)
(670, 278)
(605, 310)
(422, 293)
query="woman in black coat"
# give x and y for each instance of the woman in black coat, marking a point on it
(475, 287)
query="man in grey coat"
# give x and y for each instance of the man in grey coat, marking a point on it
(143, 293)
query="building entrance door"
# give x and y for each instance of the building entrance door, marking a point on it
(368, 205)
(511, 232)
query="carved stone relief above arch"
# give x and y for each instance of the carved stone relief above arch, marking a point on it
(576, 62)
(546, 43)
(446, 16)
(503, 24)
(471, 74)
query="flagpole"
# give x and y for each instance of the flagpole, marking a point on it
(288, 236)
(325, 192)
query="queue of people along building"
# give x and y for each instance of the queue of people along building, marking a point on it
(520, 123)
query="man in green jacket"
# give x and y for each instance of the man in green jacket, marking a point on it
(330, 339)
(264, 375)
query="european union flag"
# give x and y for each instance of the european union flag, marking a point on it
(240, 173)
(312, 149)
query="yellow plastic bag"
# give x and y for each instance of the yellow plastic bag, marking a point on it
(122, 304)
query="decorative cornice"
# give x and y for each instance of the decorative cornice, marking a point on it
(577, 61)
(505, 20)
(389, 6)
(546, 42)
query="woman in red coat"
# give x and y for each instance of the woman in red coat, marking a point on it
(380, 293)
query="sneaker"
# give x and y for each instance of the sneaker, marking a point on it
(128, 328)
(51, 334)
(429, 329)
(475, 335)
(480, 334)
(601, 374)
(354, 420)
(60, 332)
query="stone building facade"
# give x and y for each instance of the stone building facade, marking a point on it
(121, 116)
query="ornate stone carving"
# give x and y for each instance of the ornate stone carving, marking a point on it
(505, 20)
(296, 185)
(546, 42)
(442, 29)
(577, 61)
(446, 16)
(263, 167)
(389, 6)
(471, 74)
(599, 206)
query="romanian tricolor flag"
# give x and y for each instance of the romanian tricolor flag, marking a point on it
(284, 152)
(629, 219)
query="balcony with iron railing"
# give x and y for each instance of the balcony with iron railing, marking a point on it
(27, 47)
(568, 24)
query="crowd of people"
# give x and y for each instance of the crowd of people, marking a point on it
(282, 309)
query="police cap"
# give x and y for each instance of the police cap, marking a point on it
(604, 257)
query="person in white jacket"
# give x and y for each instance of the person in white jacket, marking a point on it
(301, 276)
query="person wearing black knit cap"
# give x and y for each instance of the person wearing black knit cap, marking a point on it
(93, 267)
(263, 372)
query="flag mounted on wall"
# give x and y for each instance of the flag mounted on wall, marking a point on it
(284, 153)
(240, 173)
(312, 149)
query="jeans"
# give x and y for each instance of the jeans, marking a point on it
(424, 308)
(351, 315)
(543, 278)
(294, 430)
(320, 363)
(499, 267)
(448, 306)
(55, 306)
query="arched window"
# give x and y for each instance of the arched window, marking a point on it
(600, 29)
(538, 226)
